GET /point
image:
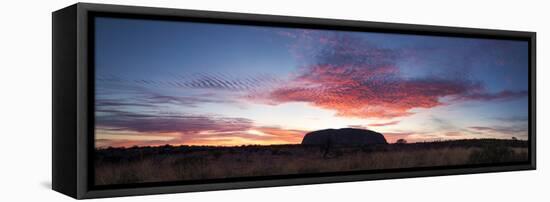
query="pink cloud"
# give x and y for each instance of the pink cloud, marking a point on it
(356, 79)
(366, 92)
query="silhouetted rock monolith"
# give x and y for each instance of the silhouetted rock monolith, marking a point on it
(344, 137)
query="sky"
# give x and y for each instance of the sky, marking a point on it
(185, 83)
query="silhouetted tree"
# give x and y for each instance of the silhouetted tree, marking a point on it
(401, 141)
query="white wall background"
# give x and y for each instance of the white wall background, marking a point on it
(25, 102)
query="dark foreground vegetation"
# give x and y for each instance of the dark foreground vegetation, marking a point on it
(175, 163)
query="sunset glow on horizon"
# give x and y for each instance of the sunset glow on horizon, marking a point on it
(183, 83)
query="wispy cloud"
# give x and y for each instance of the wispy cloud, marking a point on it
(384, 124)
(165, 123)
(201, 80)
(513, 119)
(186, 129)
(454, 134)
(500, 129)
(485, 96)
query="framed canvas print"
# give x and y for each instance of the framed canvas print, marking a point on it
(154, 100)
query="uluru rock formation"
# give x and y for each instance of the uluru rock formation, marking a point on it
(344, 137)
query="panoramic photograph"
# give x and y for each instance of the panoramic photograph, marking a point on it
(188, 101)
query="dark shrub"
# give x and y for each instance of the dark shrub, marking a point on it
(401, 141)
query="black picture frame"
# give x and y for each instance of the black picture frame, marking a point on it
(73, 97)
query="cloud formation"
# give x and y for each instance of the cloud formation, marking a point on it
(186, 129)
(358, 79)
(170, 123)
(201, 80)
